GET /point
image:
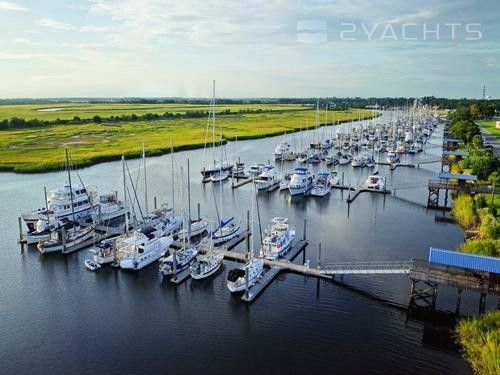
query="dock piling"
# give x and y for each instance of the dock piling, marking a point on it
(304, 235)
(19, 221)
(155, 203)
(459, 300)
(199, 211)
(174, 264)
(319, 255)
(246, 283)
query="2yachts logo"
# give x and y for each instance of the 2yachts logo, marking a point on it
(315, 31)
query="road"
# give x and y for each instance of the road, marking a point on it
(492, 141)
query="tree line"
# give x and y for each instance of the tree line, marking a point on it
(21, 123)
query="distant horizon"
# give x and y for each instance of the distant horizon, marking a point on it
(235, 97)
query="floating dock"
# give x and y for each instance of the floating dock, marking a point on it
(242, 182)
(275, 267)
(366, 190)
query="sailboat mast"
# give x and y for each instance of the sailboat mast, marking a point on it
(145, 179)
(46, 204)
(125, 201)
(189, 193)
(70, 186)
(172, 169)
(213, 119)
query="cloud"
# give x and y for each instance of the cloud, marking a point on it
(25, 41)
(53, 24)
(6, 5)
(95, 29)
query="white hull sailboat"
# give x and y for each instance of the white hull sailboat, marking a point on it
(236, 280)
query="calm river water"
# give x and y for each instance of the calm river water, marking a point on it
(55, 316)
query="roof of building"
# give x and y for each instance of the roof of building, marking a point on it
(453, 176)
(456, 153)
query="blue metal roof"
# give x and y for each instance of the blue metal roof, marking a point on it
(449, 176)
(456, 140)
(464, 260)
(456, 153)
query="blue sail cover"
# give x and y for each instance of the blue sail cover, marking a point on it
(222, 224)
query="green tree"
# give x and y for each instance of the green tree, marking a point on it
(97, 119)
(464, 129)
(474, 111)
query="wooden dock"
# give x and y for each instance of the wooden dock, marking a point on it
(366, 190)
(184, 275)
(343, 187)
(242, 182)
(273, 269)
(395, 165)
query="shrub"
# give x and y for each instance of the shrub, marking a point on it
(480, 341)
(463, 211)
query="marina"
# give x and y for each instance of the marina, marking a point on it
(344, 260)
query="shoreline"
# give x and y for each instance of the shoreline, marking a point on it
(33, 169)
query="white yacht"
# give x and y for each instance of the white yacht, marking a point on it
(207, 263)
(144, 247)
(278, 239)
(267, 179)
(358, 161)
(59, 204)
(322, 186)
(301, 181)
(255, 170)
(281, 150)
(183, 259)
(236, 277)
(392, 158)
(108, 209)
(375, 182)
(333, 179)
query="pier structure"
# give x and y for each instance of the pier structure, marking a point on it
(454, 182)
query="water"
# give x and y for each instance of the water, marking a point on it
(56, 316)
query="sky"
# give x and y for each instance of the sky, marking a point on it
(258, 48)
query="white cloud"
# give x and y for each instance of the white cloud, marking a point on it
(25, 41)
(53, 24)
(6, 5)
(95, 29)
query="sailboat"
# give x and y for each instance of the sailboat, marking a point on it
(227, 228)
(219, 168)
(236, 279)
(249, 273)
(208, 261)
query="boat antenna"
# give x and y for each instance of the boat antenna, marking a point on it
(70, 187)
